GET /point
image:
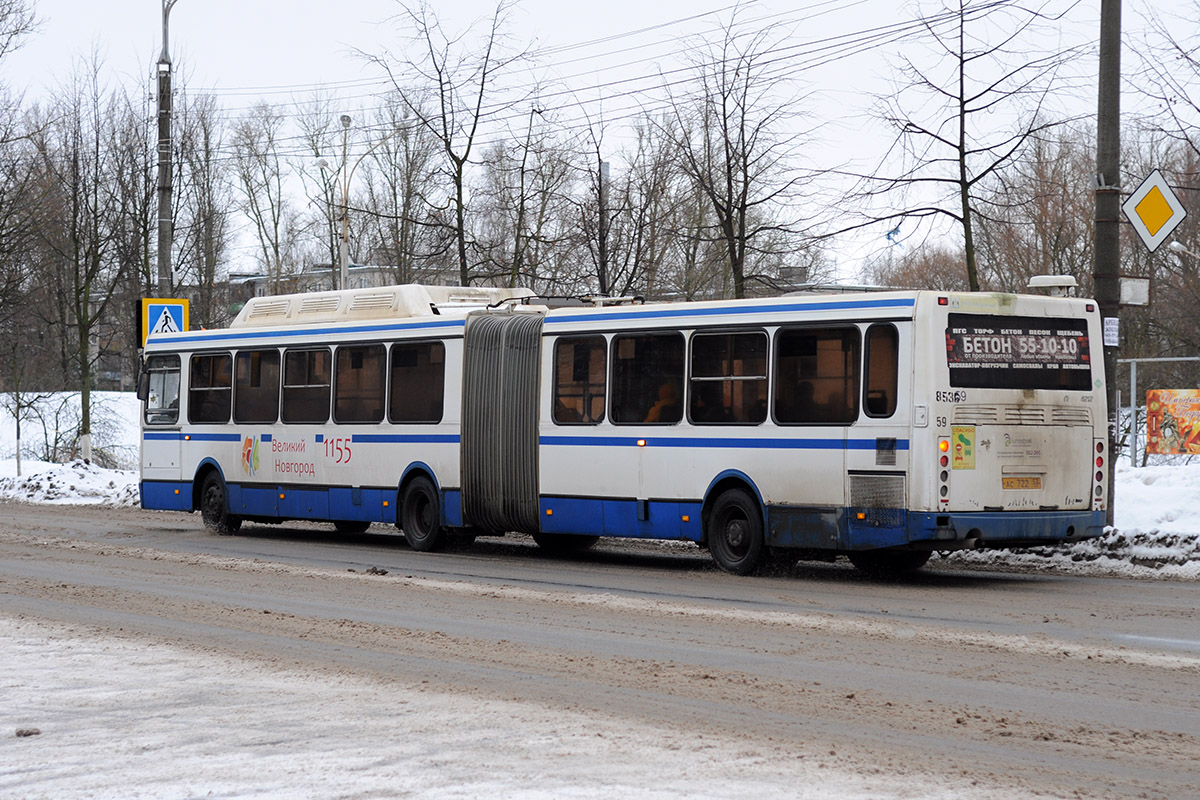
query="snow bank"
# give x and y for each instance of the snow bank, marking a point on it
(76, 483)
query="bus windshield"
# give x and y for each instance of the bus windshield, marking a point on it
(986, 351)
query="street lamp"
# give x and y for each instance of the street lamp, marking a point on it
(345, 174)
(1179, 248)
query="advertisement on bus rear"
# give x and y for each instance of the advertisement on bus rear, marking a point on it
(988, 351)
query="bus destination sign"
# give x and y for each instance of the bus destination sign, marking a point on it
(991, 351)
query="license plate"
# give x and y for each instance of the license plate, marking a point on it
(1026, 484)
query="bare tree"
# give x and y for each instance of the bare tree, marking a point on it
(205, 198)
(76, 214)
(397, 189)
(444, 81)
(968, 114)
(1170, 67)
(1040, 211)
(17, 20)
(261, 173)
(735, 130)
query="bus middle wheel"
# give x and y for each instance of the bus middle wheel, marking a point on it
(735, 532)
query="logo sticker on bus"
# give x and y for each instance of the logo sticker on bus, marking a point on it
(250, 455)
(962, 447)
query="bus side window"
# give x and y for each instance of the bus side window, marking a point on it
(162, 397)
(361, 380)
(580, 372)
(209, 388)
(883, 356)
(648, 378)
(817, 376)
(256, 386)
(729, 378)
(306, 385)
(418, 382)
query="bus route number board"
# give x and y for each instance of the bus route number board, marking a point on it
(1022, 483)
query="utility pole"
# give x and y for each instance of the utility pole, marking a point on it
(1106, 275)
(602, 250)
(165, 230)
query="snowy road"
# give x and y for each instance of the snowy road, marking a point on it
(690, 681)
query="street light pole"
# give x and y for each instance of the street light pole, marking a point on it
(165, 232)
(344, 251)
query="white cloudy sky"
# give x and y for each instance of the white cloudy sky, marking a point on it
(243, 50)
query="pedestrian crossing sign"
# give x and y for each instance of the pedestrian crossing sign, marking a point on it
(163, 315)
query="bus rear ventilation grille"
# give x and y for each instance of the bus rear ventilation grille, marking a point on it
(976, 415)
(1025, 415)
(1071, 416)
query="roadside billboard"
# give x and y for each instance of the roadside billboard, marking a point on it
(1173, 421)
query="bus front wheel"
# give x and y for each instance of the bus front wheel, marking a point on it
(214, 508)
(420, 516)
(735, 532)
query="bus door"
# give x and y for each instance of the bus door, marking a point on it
(815, 405)
(161, 438)
(877, 447)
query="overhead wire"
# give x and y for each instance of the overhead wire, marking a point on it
(787, 61)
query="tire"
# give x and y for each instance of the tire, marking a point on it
(350, 526)
(564, 543)
(889, 564)
(420, 516)
(734, 530)
(214, 507)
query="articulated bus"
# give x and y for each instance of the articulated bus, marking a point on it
(880, 426)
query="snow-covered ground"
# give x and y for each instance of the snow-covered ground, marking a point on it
(119, 719)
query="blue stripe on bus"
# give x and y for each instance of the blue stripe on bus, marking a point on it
(405, 438)
(211, 336)
(670, 313)
(194, 437)
(755, 443)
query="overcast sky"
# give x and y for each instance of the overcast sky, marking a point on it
(243, 50)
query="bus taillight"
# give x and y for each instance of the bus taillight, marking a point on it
(943, 472)
(1100, 480)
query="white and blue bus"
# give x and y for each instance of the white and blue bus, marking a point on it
(880, 426)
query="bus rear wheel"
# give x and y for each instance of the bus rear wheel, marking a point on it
(420, 516)
(214, 508)
(735, 532)
(889, 564)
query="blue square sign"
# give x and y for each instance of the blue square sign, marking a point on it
(163, 315)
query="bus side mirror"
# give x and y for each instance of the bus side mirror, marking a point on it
(143, 390)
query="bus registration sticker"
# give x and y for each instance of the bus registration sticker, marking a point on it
(1023, 482)
(962, 443)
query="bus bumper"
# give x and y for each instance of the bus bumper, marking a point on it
(166, 495)
(1002, 529)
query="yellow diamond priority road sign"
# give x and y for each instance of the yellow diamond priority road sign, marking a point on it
(1154, 210)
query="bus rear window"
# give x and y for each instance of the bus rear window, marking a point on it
(985, 351)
